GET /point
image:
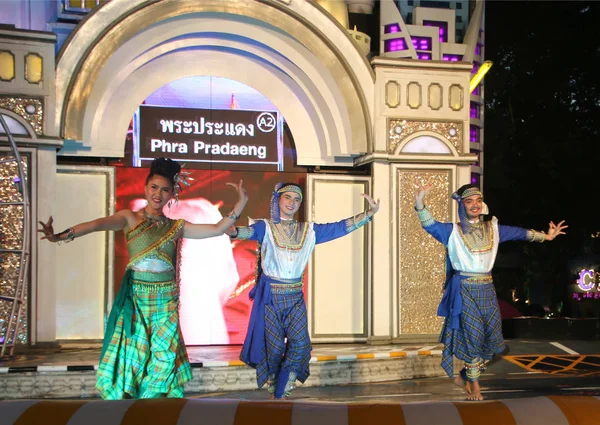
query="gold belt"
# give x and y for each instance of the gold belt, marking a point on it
(286, 288)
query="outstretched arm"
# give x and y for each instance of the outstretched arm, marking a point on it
(201, 231)
(440, 231)
(114, 222)
(255, 232)
(510, 233)
(330, 231)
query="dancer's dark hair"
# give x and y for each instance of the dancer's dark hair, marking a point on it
(164, 167)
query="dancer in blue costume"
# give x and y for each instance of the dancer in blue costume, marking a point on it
(279, 311)
(472, 329)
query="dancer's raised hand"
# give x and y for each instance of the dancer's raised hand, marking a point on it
(555, 229)
(242, 193)
(373, 206)
(422, 191)
(48, 230)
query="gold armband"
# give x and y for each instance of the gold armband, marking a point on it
(535, 236)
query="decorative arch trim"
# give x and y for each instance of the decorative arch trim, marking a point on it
(87, 56)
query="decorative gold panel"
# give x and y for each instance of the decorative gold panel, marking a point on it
(34, 68)
(421, 259)
(455, 97)
(7, 66)
(435, 96)
(399, 129)
(11, 238)
(413, 95)
(392, 94)
(30, 109)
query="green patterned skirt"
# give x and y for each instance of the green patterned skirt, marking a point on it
(152, 362)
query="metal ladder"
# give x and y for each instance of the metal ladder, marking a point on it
(18, 298)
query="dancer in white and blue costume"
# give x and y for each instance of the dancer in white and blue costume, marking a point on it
(279, 312)
(472, 329)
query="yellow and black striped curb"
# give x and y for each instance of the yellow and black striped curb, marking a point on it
(551, 410)
(227, 363)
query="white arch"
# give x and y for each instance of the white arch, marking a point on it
(133, 89)
(315, 91)
(232, 46)
(426, 142)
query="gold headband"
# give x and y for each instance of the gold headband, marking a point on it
(471, 192)
(291, 188)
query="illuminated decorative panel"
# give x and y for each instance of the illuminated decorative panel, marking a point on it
(394, 45)
(7, 66)
(391, 28)
(399, 129)
(392, 94)
(421, 259)
(434, 97)
(11, 238)
(413, 95)
(34, 68)
(455, 94)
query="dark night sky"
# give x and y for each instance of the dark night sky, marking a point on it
(541, 137)
(542, 121)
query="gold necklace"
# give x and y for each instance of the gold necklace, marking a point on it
(160, 219)
(289, 228)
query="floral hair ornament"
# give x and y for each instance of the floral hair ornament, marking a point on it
(181, 179)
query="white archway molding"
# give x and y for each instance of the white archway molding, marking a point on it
(107, 123)
(315, 91)
(426, 142)
(293, 52)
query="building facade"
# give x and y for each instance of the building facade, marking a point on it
(362, 118)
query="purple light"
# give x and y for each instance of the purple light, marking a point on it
(452, 58)
(424, 56)
(394, 45)
(422, 43)
(474, 134)
(443, 29)
(475, 67)
(391, 28)
(478, 49)
(475, 178)
(476, 91)
(586, 280)
(474, 110)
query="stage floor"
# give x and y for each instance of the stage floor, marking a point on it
(70, 371)
(72, 354)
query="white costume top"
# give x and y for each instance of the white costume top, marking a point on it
(287, 260)
(469, 254)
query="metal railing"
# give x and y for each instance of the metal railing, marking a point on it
(18, 298)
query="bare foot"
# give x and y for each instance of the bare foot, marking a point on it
(272, 397)
(475, 392)
(465, 385)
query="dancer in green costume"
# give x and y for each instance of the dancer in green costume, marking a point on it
(143, 355)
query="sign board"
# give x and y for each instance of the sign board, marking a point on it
(206, 135)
